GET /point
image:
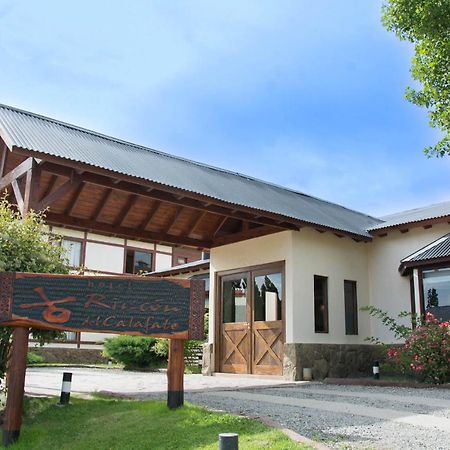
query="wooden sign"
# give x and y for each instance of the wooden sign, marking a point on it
(124, 305)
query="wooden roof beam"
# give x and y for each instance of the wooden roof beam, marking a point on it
(102, 204)
(64, 189)
(169, 197)
(133, 233)
(151, 213)
(195, 223)
(132, 199)
(219, 226)
(74, 199)
(176, 216)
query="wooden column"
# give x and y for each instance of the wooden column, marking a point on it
(16, 384)
(18, 358)
(175, 374)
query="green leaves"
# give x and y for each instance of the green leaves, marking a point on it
(25, 246)
(426, 23)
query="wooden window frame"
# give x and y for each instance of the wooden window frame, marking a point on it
(325, 305)
(354, 309)
(82, 249)
(136, 249)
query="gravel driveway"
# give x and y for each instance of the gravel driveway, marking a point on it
(342, 417)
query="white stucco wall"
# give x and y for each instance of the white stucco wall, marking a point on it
(306, 253)
(338, 259)
(104, 257)
(387, 288)
(262, 250)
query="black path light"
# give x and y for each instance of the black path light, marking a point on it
(228, 441)
(65, 389)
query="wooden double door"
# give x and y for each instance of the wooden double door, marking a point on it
(251, 331)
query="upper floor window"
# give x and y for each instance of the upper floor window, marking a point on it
(138, 261)
(351, 307)
(320, 304)
(72, 251)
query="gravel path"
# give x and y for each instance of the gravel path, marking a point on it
(346, 417)
(341, 417)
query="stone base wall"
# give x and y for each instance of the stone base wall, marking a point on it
(329, 360)
(70, 355)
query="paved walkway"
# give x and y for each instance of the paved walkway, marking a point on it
(350, 417)
(48, 380)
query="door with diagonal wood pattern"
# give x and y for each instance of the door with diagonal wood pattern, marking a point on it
(251, 337)
(235, 327)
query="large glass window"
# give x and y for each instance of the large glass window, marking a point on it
(72, 251)
(436, 287)
(320, 304)
(138, 261)
(267, 297)
(234, 300)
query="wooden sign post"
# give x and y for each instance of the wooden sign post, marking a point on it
(172, 309)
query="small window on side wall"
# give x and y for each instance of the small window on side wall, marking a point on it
(351, 307)
(320, 304)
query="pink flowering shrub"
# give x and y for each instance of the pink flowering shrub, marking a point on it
(426, 349)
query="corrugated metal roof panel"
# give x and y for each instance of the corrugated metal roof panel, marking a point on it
(413, 215)
(33, 132)
(437, 249)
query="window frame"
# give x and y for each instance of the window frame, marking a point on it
(82, 243)
(353, 309)
(324, 280)
(142, 250)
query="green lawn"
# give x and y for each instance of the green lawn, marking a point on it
(106, 423)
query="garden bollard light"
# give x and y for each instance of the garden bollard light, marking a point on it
(376, 370)
(228, 441)
(65, 389)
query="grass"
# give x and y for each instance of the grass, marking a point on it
(106, 423)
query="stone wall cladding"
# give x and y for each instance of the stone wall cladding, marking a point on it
(330, 360)
(70, 355)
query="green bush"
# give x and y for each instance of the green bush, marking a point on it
(132, 351)
(425, 352)
(26, 247)
(34, 358)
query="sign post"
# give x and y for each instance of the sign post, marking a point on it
(140, 306)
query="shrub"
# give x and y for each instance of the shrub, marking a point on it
(190, 346)
(25, 247)
(34, 358)
(132, 351)
(426, 349)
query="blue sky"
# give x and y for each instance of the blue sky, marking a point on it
(309, 95)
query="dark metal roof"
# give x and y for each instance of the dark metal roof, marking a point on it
(437, 249)
(413, 215)
(33, 132)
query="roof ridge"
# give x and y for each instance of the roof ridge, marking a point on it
(179, 158)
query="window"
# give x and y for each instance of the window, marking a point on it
(138, 261)
(320, 304)
(181, 260)
(72, 251)
(436, 287)
(351, 307)
(267, 295)
(234, 303)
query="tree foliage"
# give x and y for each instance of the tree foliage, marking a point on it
(25, 247)
(426, 23)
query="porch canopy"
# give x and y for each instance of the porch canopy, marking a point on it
(95, 182)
